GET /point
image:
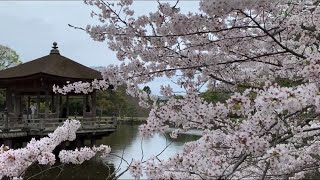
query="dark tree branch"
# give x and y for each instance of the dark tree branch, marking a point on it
(272, 37)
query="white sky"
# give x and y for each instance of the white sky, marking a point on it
(30, 27)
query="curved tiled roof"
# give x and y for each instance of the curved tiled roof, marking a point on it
(53, 64)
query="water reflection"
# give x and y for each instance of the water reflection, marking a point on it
(93, 169)
(125, 142)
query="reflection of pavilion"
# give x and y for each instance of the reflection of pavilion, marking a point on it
(92, 169)
(30, 84)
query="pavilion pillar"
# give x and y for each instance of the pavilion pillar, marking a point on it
(46, 111)
(67, 104)
(52, 103)
(60, 102)
(93, 103)
(19, 104)
(58, 105)
(28, 107)
(85, 101)
(9, 100)
(14, 103)
(38, 104)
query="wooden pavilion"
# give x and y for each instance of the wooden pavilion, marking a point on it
(30, 84)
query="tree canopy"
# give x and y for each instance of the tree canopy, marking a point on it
(8, 57)
(265, 52)
(117, 102)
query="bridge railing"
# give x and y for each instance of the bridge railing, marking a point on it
(88, 123)
(7, 123)
(11, 123)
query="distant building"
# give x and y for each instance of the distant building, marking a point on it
(34, 80)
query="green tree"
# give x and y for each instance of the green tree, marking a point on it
(8, 57)
(118, 99)
(104, 103)
(118, 102)
(215, 96)
(147, 89)
(112, 102)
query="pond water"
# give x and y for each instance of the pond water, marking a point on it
(125, 142)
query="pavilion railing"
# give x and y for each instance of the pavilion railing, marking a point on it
(49, 124)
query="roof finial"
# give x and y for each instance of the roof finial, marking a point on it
(54, 49)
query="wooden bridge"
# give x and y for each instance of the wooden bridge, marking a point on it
(11, 127)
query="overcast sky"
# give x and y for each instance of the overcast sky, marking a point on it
(30, 28)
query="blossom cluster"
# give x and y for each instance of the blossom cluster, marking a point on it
(267, 128)
(82, 87)
(136, 169)
(14, 162)
(83, 154)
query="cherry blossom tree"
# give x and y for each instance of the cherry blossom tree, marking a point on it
(229, 44)
(225, 44)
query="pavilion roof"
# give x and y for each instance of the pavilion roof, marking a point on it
(52, 64)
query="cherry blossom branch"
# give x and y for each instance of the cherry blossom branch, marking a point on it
(119, 175)
(241, 160)
(265, 170)
(272, 37)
